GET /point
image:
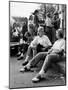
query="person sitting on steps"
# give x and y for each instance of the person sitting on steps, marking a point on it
(40, 40)
(54, 55)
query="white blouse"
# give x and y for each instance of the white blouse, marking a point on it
(59, 45)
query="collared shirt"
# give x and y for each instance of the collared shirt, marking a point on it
(44, 41)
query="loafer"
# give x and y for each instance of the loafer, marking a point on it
(38, 78)
(20, 58)
(18, 55)
(25, 69)
(24, 63)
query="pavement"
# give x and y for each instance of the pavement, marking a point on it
(24, 80)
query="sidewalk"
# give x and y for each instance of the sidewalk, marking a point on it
(22, 80)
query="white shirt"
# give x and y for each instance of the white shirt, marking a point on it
(59, 45)
(15, 33)
(48, 21)
(44, 41)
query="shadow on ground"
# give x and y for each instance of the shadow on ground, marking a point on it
(22, 80)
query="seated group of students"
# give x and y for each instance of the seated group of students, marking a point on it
(42, 49)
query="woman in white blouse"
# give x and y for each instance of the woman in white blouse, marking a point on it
(54, 55)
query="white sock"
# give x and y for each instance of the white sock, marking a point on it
(21, 54)
(28, 65)
(41, 73)
(27, 57)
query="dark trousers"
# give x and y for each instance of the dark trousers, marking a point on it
(49, 32)
(23, 48)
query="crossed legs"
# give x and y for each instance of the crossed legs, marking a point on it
(35, 60)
